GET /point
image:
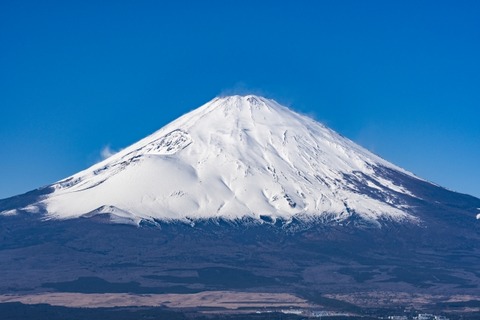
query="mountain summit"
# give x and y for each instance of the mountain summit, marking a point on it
(235, 157)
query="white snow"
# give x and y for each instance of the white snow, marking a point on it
(12, 212)
(232, 157)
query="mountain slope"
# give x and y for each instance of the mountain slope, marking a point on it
(235, 157)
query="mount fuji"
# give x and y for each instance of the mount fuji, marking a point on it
(235, 157)
(244, 194)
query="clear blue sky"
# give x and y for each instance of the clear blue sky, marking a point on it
(401, 78)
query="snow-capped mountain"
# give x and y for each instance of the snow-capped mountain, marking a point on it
(245, 194)
(235, 157)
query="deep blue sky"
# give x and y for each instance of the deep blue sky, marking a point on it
(402, 78)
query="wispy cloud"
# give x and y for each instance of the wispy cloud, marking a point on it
(107, 152)
(242, 88)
